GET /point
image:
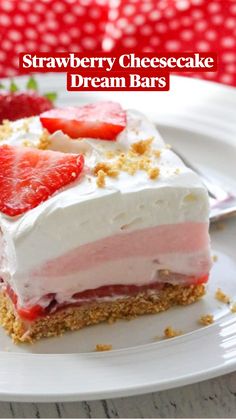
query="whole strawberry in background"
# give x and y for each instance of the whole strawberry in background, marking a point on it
(15, 104)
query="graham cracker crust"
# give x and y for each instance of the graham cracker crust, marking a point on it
(75, 318)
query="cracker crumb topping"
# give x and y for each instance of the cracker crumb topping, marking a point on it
(110, 154)
(221, 296)
(154, 173)
(169, 332)
(44, 140)
(206, 319)
(27, 143)
(107, 168)
(142, 146)
(5, 129)
(102, 347)
(101, 175)
(157, 153)
(26, 125)
(138, 157)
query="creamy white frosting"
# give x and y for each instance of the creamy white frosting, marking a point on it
(82, 213)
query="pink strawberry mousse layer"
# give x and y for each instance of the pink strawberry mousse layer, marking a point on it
(133, 258)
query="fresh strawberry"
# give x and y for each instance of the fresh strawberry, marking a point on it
(103, 120)
(30, 176)
(22, 104)
(15, 105)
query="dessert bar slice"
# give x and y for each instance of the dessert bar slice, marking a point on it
(99, 220)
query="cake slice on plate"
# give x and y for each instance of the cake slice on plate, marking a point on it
(100, 220)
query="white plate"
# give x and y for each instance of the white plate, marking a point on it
(199, 117)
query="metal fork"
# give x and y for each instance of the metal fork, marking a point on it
(222, 202)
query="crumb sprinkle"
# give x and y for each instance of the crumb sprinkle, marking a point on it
(5, 129)
(26, 125)
(206, 319)
(140, 156)
(142, 146)
(222, 297)
(107, 168)
(44, 140)
(154, 173)
(27, 143)
(102, 347)
(169, 333)
(157, 153)
(110, 154)
(101, 175)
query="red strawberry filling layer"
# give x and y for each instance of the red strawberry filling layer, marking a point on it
(33, 312)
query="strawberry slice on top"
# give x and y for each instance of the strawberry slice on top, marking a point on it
(30, 176)
(102, 120)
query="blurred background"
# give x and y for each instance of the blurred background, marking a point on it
(108, 25)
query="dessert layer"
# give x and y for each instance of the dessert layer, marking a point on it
(86, 236)
(75, 318)
(128, 258)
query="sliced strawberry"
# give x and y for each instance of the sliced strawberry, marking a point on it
(30, 176)
(103, 120)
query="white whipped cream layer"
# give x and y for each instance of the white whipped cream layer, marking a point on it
(82, 212)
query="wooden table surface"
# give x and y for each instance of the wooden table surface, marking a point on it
(214, 398)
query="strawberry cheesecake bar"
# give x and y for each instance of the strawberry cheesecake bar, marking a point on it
(99, 220)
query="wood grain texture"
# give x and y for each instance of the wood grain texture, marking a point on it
(210, 399)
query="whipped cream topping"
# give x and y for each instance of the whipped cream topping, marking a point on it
(82, 212)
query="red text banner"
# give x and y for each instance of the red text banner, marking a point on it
(135, 80)
(124, 71)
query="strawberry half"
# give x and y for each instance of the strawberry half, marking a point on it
(30, 176)
(102, 120)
